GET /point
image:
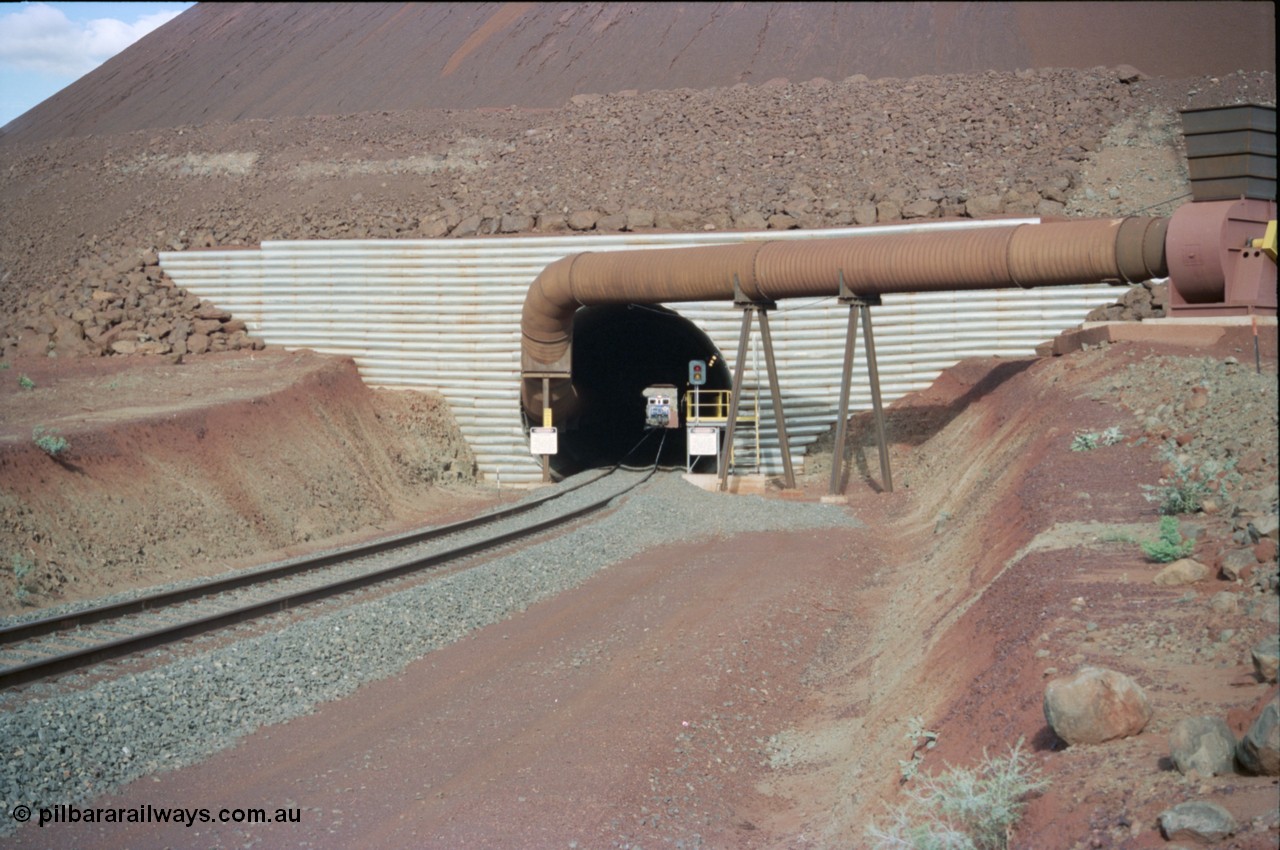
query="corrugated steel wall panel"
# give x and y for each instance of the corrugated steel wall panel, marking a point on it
(444, 315)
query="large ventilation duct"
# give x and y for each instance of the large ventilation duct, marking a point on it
(1027, 255)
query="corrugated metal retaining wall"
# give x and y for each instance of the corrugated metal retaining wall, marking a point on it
(444, 315)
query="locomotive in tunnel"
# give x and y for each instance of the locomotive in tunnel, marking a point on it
(619, 350)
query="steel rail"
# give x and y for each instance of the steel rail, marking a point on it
(76, 659)
(247, 578)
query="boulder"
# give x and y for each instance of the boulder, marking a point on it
(583, 219)
(920, 209)
(110, 316)
(888, 210)
(1182, 571)
(68, 338)
(639, 218)
(1129, 74)
(469, 226)
(1266, 657)
(1159, 295)
(433, 228)
(1197, 820)
(1094, 705)
(677, 219)
(1050, 209)
(1203, 744)
(551, 223)
(1259, 750)
(864, 214)
(33, 344)
(1268, 526)
(197, 344)
(206, 326)
(75, 348)
(612, 223)
(515, 223)
(1238, 563)
(1225, 602)
(210, 311)
(984, 205)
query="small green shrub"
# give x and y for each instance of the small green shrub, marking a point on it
(1170, 545)
(26, 383)
(1190, 486)
(1088, 440)
(962, 809)
(22, 567)
(49, 441)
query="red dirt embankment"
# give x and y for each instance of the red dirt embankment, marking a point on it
(173, 470)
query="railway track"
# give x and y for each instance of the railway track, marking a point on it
(42, 648)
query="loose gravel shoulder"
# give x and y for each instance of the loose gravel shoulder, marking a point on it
(1219, 411)
(69, 747)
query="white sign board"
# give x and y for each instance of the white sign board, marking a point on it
(703, 442)
(543, 441)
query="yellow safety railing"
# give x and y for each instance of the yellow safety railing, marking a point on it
(711, 407)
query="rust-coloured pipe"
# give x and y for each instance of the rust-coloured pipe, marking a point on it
(1058, 253)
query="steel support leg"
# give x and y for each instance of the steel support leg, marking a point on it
(873, 373)
(744, 339)
(842, 419)
(767, 341)
(546, 423)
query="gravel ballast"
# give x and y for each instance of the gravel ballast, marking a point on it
(70, 747)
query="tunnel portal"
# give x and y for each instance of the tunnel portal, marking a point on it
(618, 350)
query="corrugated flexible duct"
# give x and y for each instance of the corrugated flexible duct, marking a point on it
(1059, 253)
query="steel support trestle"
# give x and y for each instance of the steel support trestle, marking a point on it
(760, 308)
(858, 305)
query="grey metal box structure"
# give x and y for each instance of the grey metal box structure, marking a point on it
(1231, 152)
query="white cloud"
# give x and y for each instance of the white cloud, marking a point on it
(41, 38)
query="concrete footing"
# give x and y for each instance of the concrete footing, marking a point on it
(1189, 332)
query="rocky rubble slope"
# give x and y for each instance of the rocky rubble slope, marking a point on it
(1030, 488)
(85, 216)
(336, 58)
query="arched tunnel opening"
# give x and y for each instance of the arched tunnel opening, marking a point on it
(618, 351)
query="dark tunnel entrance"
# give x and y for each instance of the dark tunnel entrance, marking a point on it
(618, 350)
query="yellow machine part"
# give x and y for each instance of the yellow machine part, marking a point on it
(1267, 243)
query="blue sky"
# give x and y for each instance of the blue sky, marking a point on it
(45, 47)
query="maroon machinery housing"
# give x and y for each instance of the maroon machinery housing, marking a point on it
(1215, 266)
